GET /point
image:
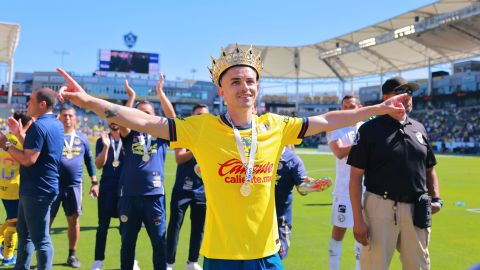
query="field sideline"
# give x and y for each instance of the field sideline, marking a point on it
(454, 240)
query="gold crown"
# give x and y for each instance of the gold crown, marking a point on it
(237, 57)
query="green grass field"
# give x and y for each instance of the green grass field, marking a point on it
(455, 238)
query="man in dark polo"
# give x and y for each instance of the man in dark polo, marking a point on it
(397, 161)
(40, 160)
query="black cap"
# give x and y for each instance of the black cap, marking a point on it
(395, 83)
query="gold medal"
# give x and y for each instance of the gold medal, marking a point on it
(115, 163)
(246, 189)
(69, 155)
(146, 158)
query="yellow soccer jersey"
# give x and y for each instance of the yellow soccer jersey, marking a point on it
(10, 178)
(237, 227)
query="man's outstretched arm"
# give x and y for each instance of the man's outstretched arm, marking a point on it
(121, 115)
(338, 119)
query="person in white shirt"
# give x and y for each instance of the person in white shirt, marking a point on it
(340, 142)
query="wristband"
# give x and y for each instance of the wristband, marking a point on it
(438, 200)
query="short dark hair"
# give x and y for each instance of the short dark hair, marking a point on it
(349, 97)
(225, 71)
(143, 102)
(22, 116)
(67, 106)
(47, 95)
(199, 106)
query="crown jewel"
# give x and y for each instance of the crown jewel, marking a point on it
(237, 57)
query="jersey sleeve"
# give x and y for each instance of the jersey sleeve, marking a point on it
(294, 129)
(88, 159)
(298, 171)
(333, 135)
(13, 139)
(98, 147)
(34, 138)
(185, 132)
(358, 156)
(431, 160)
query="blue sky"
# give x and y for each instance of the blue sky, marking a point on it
(184, 33)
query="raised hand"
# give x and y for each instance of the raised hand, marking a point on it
(394, 106)
(15, 126)
(105, 139)
(129, 90)
(73, 91)
(160, 83)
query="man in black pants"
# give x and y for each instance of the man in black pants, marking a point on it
(188, 190)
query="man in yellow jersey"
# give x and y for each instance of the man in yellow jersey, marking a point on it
(238, 162)
(9, 189)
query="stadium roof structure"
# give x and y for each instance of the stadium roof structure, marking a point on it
(9, 36)
(442, 32)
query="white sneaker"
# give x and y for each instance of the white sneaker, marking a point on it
(97, 265)
(193, 266)
(169, 266)
(135, 265)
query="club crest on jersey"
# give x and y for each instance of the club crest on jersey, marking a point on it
(123, 218)
(77, 141)
(357, 138)
(197, 170)
(419, 137)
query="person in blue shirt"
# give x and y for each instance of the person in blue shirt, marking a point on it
(187, 191)
(291, 173)
(39, 176)
(141, 187)
(109, 157)
(76, 151)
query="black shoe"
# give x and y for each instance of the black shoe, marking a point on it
(73, 262)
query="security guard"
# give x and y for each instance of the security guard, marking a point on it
(393, 153)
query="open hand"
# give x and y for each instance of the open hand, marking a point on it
(160, 83)
(15, 126)
(129, 90)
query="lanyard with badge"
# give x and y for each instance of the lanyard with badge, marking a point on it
(146, 155)
(116, 151)
(69, 145)
(246, 188)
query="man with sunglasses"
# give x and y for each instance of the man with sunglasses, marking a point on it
(398, 164)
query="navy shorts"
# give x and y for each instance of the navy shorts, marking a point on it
(11, 208)
(268, 263)
(71, 199)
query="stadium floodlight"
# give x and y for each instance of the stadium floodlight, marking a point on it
(367, 42)
(404, 31)
(330, 53)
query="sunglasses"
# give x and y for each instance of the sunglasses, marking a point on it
(403, 91)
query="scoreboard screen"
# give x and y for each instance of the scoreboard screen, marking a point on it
(129, 62)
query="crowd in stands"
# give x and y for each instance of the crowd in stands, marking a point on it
(455, 130)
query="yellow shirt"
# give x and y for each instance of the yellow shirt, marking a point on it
(10, 178)
(237, 227)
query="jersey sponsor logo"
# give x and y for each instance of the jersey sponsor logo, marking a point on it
(419, 137)
(233, 171)
(357, 138)
(137, 148)
(76, 150)
(342, 208)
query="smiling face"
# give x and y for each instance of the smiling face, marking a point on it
(239, 87)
